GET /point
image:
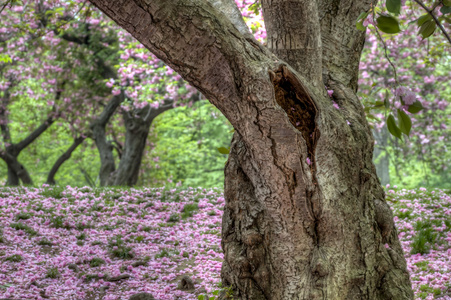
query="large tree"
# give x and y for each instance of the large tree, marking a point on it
(305, 214)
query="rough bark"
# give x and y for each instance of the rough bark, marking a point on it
(63, 158)
(305, 215)
(137, 128)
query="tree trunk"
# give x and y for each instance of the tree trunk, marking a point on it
(380, 155)
(104, 147)
(305, 215)
(137, 128)
(16, 171)
(65, 156)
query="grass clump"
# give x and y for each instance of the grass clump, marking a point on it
(14, 258)
(52, 273)
(118, 249)
(96, 261)
(58, 222)
(175, 217)
(24, 227)
(82, 236)
(23, 216)
(45, 242)
(53, 192)
(189, 209)
(163, 253)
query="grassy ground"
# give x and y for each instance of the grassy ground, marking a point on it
(80, 243)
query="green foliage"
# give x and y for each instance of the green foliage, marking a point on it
(118, 248)
(388, 24)
(393, 128)
(95, 262)
(175, 217)
(24, 227)
(53, 273)
(186, 145)
(394, 6)
(14, 258)
(189, 209)
(163, 253)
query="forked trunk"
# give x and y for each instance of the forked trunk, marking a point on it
(137, 130)
(305, 215)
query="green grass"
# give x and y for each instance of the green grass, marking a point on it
(45, 242)
(95, 262)
(189, 209)
(52, 273)
(24, 227)
(14, 258)
(118, 249)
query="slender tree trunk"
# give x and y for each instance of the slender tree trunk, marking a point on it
(380, 155)
(63, 158)
(104, 147)
(305, 215)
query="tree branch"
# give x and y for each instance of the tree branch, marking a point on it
(65, 156)
(218, 52)
(35, 134)
(431, 12)
(342, 42)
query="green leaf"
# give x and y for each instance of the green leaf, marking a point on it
(405, 124)
(393, 128)
(362, 16)
(216, 292)
(423, 19)
(394, 6)
(360, 19)
(360, 26)
(5, 58)
(445, 10)
(446, 2)
(427, 29)
(379, 103)
(415, 107)
(223, 150)
(200, 297)
(388, 24)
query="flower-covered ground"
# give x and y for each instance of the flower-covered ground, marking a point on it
(83, 243)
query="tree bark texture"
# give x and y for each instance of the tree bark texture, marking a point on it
(305, 215)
